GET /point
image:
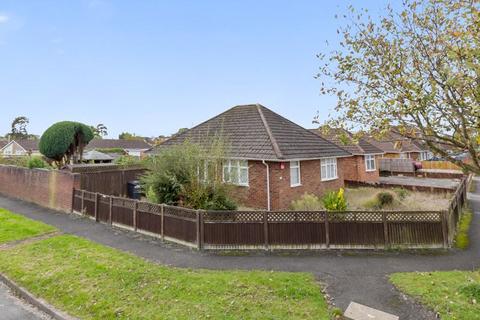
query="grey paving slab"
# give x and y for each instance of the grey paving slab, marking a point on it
(357, 311)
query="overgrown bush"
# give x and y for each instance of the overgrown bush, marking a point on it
(189, 175)
(308, 202)
(335, 200)
(14, 161)
(385, 199)
(36, 162)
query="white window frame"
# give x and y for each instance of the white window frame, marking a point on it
(295, 165)
(424, 155)
(370, 158)
(325, 165)
(234, 169)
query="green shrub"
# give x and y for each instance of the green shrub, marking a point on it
(308, 202)
(335, 200)
(471, 290)
(401, 193)
(188, 175)
(385, 199)
(127, 161)
(36, 162)
(64, 139)
(14, 161)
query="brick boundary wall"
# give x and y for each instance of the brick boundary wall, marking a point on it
(48, 188)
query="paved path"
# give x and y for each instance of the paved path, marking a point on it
(348, 276)
(421, 182)
(12, 308)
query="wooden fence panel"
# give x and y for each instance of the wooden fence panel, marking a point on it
(122, 212)
(356, 233)
(234, 234)
(103, 208)
(180, 223)
(296, 233)
(149, 217)
(443, 165)
(415, 233)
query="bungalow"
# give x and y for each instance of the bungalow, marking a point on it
(275, 161)
(19, 148)
(135, 148)
(396, 146)
(362, 166)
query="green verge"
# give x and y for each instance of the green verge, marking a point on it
(91, 281)
(453, 294)
(461, 238)
(15, 227)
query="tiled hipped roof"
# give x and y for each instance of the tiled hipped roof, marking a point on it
(346, 140)
(257, 133)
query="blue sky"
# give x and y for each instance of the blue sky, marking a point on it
(151, 67)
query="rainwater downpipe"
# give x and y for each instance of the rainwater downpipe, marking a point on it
(268, 184)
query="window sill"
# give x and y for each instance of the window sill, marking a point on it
(295, 185)
(371, 170)
(329, 179)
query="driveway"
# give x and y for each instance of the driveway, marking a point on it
(421, 182)
(360, 276)
(12, 308)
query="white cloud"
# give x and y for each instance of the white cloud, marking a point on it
(4, 18)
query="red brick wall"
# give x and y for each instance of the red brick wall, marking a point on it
(281, 193)
(354, 169)
(255, 195)
(51, 189)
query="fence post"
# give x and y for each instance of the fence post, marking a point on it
(162, 221)
(327, 230)
(135, 214)
(82, 206)
(445, 228)
(97, 195)
(73, 200)
(385, 229)
(110, 210)
(265, 229)
(199, 214)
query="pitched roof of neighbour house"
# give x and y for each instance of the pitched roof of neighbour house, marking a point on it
(117, 143)
(97, 155)
(255, 132)
(395, 143)
(27, 144)
(347, 141)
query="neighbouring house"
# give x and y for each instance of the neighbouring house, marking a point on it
(19, 148)
(94, 156)
(363, 165)
(395, 145)
(135, 148)
(271, 160)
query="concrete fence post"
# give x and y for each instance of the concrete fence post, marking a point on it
(82, 205)
(135, 214)
(97, 196)
(110, 210)
(385, 229)
(444, 217)
(199, 214)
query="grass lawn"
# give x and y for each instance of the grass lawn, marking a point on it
(16, 227)
(364, 198)
(454, 294)
(92, 281)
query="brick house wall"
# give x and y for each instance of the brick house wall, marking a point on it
(354, 169)
(281, 193)
(48, 188)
